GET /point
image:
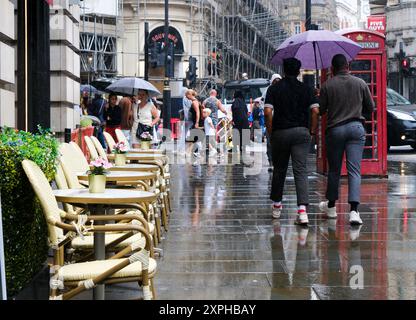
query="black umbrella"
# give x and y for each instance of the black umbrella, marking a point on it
(103, 83)
(130, 86)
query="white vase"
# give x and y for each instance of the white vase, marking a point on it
(96, 183)
(145, 145)
(120, 159)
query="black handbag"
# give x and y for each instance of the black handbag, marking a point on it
(141, 128)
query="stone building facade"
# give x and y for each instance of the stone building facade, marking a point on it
(401, 32)
(7, 64)
(292, 14)
(243, 33)
(63, 67)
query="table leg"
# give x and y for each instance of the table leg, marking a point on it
(99, 251)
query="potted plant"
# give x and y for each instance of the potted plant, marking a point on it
(145, 139)
(120, 150)
(97, 175)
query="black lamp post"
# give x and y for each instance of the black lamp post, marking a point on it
(166, 86)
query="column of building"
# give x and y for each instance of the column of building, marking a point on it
(7, 64)
(65, 65)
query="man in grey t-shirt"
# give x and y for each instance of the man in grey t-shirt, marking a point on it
(213, 103)
(345, 99)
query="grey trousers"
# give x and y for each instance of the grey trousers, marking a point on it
(290, 143)
(348, 138)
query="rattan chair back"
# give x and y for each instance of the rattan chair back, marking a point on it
(43, 191)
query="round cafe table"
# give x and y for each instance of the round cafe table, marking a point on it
(97, 204)
(147, 151)
(123, 176)
(142, 157)
(136, 167)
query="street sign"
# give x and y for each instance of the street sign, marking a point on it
(3, 292)
(377, 23)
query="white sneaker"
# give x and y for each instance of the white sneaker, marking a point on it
(277, 211)
(302, 218)
(302, 235)
(355, 218)
(330, 212)
(355, 232)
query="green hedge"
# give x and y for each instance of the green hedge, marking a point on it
(25, 229)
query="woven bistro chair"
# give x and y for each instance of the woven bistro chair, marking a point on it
(101, 152)
(97, 150)
(163, 195)
(76, 161)
(70, 280)
(80, 161)
(86, 243)
(72, 182)
(122, 138)
(110, 141)
(91, 148)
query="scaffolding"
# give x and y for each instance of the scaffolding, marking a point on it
(243, 33)
(98, 44)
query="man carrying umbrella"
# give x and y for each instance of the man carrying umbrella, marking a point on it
(344, 98)
(292, 102)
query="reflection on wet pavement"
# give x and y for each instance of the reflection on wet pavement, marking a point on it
(223, 244)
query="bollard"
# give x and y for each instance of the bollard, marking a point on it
(68, 135)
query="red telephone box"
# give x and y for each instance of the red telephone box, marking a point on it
(369, 65)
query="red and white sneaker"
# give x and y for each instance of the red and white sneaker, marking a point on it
(302, 218)
(277, 211)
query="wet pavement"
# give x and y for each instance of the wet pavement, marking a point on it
(223, 244)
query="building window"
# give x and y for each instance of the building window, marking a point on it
(297, 28)
(320, 25)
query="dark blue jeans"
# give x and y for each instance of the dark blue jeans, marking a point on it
(348, 139)
(101, 138)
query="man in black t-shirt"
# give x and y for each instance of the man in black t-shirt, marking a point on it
(288, 107)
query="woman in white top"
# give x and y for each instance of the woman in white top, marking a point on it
(145, 113)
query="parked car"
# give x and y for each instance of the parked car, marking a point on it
(401, 120)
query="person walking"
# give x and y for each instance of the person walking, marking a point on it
(240, 119)
(288, 126)
(210, 132)
(97, 109)
(112, 116)
(145, 116)
(256, 125)
(273, 81)
(126, 117)
(194, 118)
(213, 103)
(345, 99)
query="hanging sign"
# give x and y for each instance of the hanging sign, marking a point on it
(377, 23)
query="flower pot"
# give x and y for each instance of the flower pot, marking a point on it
(97, 183)
(145, 145)
(120, 159)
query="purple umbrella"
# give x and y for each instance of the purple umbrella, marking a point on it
(315, 49)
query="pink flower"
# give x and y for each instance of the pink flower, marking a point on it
(107, 165)
(97, 163)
